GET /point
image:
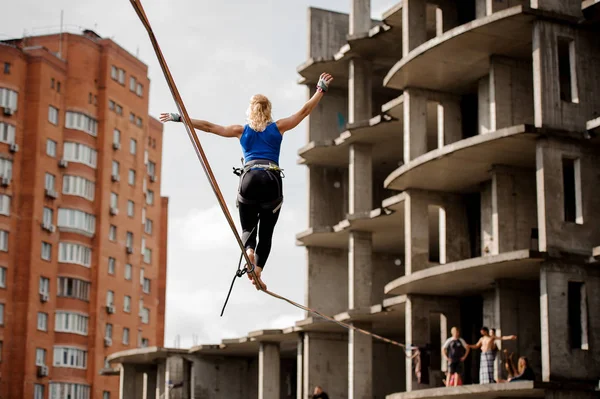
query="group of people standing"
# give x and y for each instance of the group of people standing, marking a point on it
(455, 350)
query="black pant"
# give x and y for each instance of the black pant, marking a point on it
(261, 188)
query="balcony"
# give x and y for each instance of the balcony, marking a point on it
(522, 389)
(469, 276)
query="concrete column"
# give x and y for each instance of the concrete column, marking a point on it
(299, 367)
(360, 363)
(484, 111)
(416, 233)
(414, 24)
(415, 124)
(326, 363)
(450, 119)
(360, 16)
(327, 274)
(487, 229)
(360, 91)
(187, 380)
(268, 371)
(151, 384)
(360, 179)
(130, 385)
(161, 380)
(360, 271)
(568, 7)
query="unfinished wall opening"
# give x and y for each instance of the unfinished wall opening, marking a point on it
(567, 72)
(473, 206)
(572, 190)
(469, 107)
(437, 234)
(431, 20)
(578, 315)
(436, 338)
(435, 125)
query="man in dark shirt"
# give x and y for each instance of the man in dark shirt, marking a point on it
(319, 393)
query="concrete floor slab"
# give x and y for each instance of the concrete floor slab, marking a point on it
(469, 276)
(143, 355)
(454, 61)
(381, 44)
(596, 253)
(324, 153)
(594, 124)
(313, 68)
(522, 389)
(394, 108)
(385, 320)
(444, 169)
(393, 16)
(591, 9)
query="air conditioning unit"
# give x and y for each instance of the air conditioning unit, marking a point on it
(115, 178)
(63, 163)
(49, 227)
(110, 309)
(114, 211)
(42, 371)
(129, 250)
(107, 341)
(14, 147)
(8, 111)
(44, 297)
(51, 194)
(153, 178)
(116, 146)
(5, 181)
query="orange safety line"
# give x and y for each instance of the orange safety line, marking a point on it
(137, 5)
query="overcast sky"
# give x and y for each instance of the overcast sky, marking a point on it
(220, 54)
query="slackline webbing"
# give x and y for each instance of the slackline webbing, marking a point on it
(137, 5)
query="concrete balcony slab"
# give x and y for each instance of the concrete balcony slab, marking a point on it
(591, 9)
(386, 224)
(454, 61)
(596, 253)
(381, 44)
(323, 153)
(317, 324)
(470, 275)
(594, 124)
(144, 355)
(521, 389)
(444, 169)
(393, 16)
(313, 68)
(386, 319)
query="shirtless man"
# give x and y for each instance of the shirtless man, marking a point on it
(487, 344)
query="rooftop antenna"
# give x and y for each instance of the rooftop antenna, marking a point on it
(61, 32)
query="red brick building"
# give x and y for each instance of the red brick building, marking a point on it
(82, 224)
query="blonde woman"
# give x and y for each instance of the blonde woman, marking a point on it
(260, 193)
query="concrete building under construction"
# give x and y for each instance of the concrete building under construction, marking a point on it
(453, 181)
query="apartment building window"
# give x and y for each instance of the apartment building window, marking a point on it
(130, 208)
(138, 122)
(68, 356)
(82, 122)
(44, 286)
(46, 251)
(4, 205)
(38, 391)
(125, 336)
(51, 148)
(7, 133)
(114, 200)
(69, 287)
(117, 74)
(145, 315)
(49, 182)
(129, 240)
(132, 146)
(80, 153)
(147, 255)
(5, 168)
(578, 315)
(1, 314)
(128, 271)
(146, 285)
(131, 177)
(53, 115)
(48, 216)
(40, 357)
(149, 197)
(145, 342)
(77, 254)
(119, 110)
(7, 68)
(58, 87)
(115, 169)
(151, 168)
(572, 197)
(71, 322)
(8, 98)
(139, 90)
(112, 265)
(68, 390)
(116, 136)
(131, 117)
(567, 71)
(108, 331)
(110, 298)
(79, 186)
(52, 83)
(76, 220)
(112, 232)
(2, 277)
(132, 83)
(111, 105)
(148, 226)
(42, 321)
(141, 277)
(4, 240)
(127, 304)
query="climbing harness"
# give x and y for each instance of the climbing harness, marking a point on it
(137, 5)
(272, 169)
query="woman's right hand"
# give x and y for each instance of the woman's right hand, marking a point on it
(169, 117)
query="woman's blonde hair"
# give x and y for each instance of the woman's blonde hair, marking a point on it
(259, 112)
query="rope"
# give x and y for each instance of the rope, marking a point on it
(137, 5)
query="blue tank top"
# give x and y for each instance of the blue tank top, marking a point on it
(261, 145)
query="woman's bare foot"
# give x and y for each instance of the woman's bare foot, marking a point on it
(261, 285)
